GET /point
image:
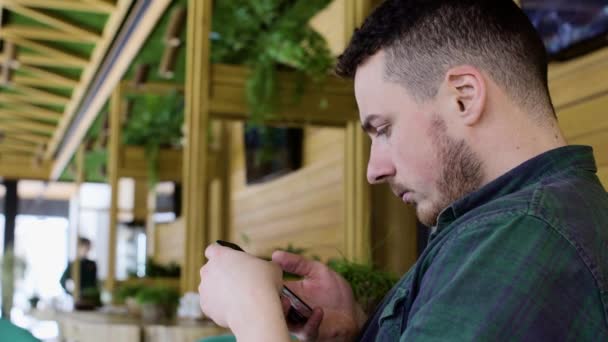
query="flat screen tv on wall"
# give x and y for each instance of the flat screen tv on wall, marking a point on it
(271, 152)
(569, 28)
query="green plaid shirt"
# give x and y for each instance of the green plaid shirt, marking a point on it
(525, 258)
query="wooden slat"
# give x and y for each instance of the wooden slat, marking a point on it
(583, 78)
(26, 125)
(138, 37)
(50, 77)
(48, 50)
(19, 108)
(24, 114)
(586, 118)
(22, 167)
(37, 60)
(49, 20)
(10, 145)
(99, 6)
(26, 136)
(35, 33)
(41, 95)
(40, 82)
(20, 98)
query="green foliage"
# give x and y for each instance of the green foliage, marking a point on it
(161, 295)
(154, 269)
(156, 122)
(369, 284)
(264, 34)
(127, 291)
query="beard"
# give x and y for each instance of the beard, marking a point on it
(460, 172)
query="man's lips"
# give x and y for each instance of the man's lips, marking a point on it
(406, 197)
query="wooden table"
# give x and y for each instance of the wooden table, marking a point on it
(81, 326)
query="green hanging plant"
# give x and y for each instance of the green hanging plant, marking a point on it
(267, 34)
(156, 122)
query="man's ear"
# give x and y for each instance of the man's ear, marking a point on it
(467, 89)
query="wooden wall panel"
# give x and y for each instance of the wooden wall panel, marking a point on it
(322, 143)
(304, 208)
(579, 90)
(169, 242)
(325, 23)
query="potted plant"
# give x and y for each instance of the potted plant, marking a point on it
(127, 294)
(369, 284)
(158, 303)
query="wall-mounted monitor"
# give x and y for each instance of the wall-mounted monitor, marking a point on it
(569, 28)
(271, 152)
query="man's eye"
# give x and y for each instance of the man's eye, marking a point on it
(383, 131)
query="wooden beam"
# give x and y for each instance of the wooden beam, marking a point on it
(228, 99)
(38, 60)
(149, 16)
(109, 33)
(51, 77)
(17, 140)
(39, 82)
(50, 20)
(48, 50)
(195, 182)
(154, 88)
(24, 125)
(25, 136)
(26, 114)
(20, 98)
(10, 145)
(35, 33)
(113, 177)
(22, 167)
(24, 109)
(41, 95)
(101, 5)
(67, 5)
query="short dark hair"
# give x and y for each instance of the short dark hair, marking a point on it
(424, 38)
(82, 241)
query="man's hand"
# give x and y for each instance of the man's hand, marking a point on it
(241, 292)
(336, 316)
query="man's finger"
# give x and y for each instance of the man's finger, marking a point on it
(310, 331)
(293, 263)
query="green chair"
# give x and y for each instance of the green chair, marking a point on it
(11, 332)
(220, 338)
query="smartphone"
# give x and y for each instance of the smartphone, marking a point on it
(299, 311)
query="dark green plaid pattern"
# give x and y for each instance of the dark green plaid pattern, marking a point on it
(525, 258)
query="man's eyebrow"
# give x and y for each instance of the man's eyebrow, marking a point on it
(367, 125)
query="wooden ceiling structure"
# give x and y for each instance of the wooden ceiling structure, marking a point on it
(59, 61)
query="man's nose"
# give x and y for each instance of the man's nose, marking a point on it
(379, 167)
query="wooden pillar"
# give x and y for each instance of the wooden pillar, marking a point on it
(115, 121)
(80, 175)
(11, 205)
(357, 190)
(357, 195)
(198, 78)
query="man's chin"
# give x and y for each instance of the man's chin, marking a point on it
(425, 215)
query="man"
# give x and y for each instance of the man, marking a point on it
(88, 268)
(454, 97)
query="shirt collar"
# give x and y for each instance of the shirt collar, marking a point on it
(530, 172)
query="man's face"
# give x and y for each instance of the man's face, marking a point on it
(411, 148)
